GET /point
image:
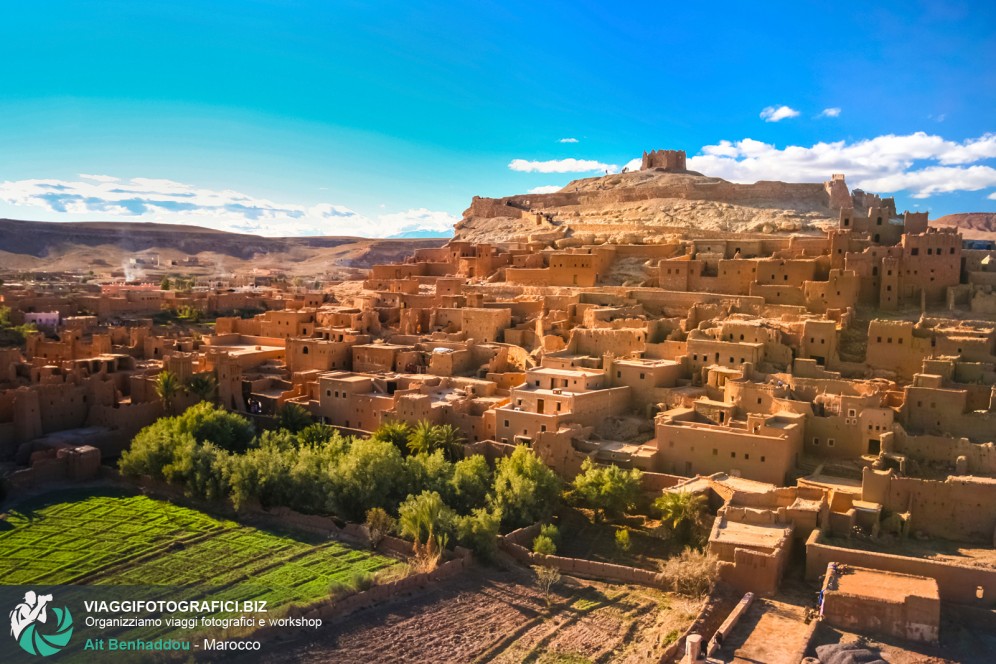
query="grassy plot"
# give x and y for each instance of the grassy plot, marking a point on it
(114, 538)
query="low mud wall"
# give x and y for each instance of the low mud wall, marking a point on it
(518, 545)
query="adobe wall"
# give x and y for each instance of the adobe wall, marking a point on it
(125, 421)
(57, 463)
(915, 619)
(703, 450)
(755, 571)
(892, 345)
(956, 583)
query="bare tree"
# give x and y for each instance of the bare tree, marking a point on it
(546, 578)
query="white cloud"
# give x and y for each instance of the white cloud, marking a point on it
(420, 219)
(561, 166)
(778, 113)
(882, 164)
(831, 112)
(568, 140)
(936, 179)
(168, 201)
(545, 189)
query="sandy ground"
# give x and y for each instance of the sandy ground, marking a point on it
(499, 616)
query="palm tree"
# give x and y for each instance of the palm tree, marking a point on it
(425, 518)
(682, 510)
(448, 438)
(294, 417)
(421, 439)
(426, 438)
(396, 433)
(204, 386)
(167, 387)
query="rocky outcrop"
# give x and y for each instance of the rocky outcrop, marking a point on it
(656, 203)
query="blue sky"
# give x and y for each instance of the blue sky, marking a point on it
(286, 118)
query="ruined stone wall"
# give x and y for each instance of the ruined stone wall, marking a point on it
(980, 457)
(841, 290)
(944, 411)
(960, 508)
(672, 160)
(552, 276)
(598, 342)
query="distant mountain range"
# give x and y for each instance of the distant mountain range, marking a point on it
(110, 246)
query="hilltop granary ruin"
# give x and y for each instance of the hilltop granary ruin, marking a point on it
(828, 381)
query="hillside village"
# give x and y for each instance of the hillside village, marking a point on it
(826, 379)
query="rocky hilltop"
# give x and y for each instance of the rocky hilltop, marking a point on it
(973, 225)
(657, 203)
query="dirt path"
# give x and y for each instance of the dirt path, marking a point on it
(491, 615)
(773, 632)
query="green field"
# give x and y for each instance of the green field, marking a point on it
(114, 538)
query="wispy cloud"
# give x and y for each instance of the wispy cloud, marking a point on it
(920, 163)
(545, 189)
(561, 166)
(148, 199)
(778, 113)
(568, 140)
(832, 112)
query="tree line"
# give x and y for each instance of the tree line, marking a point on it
(410, 474)
(406, 479)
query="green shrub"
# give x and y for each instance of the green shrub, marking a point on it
(622, 539)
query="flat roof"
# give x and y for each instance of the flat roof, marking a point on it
(350, 378)
(247, 349)
(888, 586)
(642, 362)
(384, 346)
(749, 534)
(565, 372)
(842, 484)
